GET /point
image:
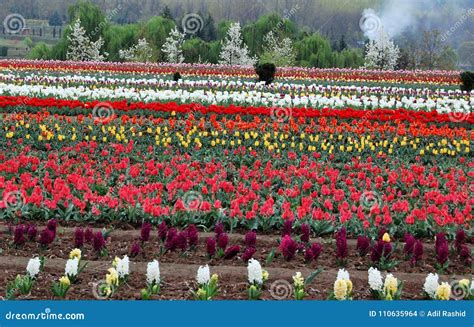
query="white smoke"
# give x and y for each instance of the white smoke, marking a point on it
(394, 18)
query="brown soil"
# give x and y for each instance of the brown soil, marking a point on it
(178, 269)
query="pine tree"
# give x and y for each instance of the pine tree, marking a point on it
(173, 47)
(280, 52)
(81, 48)
(381, 53)
(141, 52)
(234, 50)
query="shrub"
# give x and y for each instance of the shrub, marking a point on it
(467, 79)
(176, 76)
(266, 72)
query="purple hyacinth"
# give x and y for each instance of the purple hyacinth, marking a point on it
(219, 229)
(363, 245)
(145, 231)
(231, 252)
(223, 241)
(19, 235)
(162, 231)
(305, 233)
(32, 232)
(135, 249)
(193, 235)
(79, 237)
(248, 254)
(211, 246)
(251, 239)
(287, 228)
(88, 235)
(98, 242)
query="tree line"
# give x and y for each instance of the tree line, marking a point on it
(204, 44)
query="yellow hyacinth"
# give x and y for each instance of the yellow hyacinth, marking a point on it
(64, 281)
(112, 277)
(443, 292)
(298, 280)
(340, 289)
(391, 285)
(75, 253)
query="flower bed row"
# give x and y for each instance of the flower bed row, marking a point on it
(281, 114)
(209, 95)
(294, 245)
(434, 77)
(206, 286)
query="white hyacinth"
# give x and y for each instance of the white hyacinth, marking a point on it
(203, 275)
(33, 267)
(123, 267)
(254, 272)
(343, 274)
(375, 279)
(431, 284)
(153, 272)
(72, 266)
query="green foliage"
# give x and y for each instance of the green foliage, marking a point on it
(156, 31)
(312, 50)
(119, 37)
(254, 33)
(39, 51)
(92, 18)
(196, 50)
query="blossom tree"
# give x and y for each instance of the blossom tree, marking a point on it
(140, 52)
(381, 53)
(81, 48)
(278, 51)
(173, 46)
(234, 50)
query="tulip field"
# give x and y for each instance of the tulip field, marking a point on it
(118, 182)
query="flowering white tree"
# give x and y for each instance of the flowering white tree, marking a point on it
(278, 51)
(381, 53)
(140, 52)
(173, 46)
(234, 51)
(81, 48)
